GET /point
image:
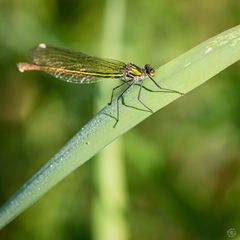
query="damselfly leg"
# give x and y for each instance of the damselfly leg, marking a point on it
(165, 89)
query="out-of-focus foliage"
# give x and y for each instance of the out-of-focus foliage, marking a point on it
(183, 163)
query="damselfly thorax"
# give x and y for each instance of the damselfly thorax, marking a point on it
(132, 71)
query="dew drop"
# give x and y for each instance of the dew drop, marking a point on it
(208, 50)
(187, 64)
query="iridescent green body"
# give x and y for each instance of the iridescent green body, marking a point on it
(81, 68)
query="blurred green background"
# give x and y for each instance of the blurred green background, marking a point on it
(182, 164)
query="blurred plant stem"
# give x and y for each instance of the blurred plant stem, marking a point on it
(109, 206)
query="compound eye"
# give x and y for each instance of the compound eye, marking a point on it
(152, 72)
(149, 70)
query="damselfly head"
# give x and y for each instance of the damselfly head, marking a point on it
(149, 70)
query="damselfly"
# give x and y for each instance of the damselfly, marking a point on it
(80, 68)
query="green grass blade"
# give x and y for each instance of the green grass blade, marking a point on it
(183, 73)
